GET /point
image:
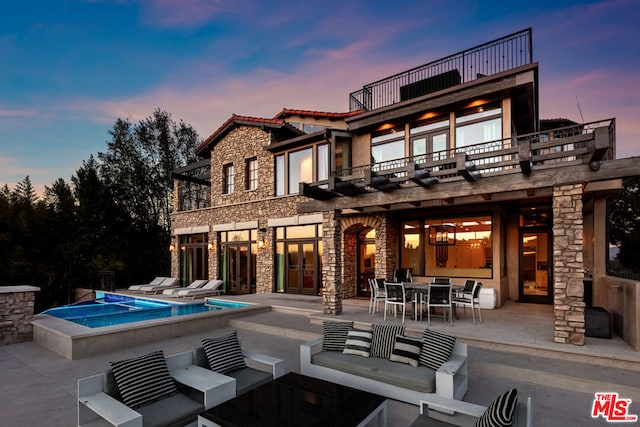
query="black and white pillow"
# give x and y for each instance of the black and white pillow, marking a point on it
(335, 335)
(500, 412)
(406, 350)
(224, 353)
(143, 380)
(436, 348)
(383, 339)
(358, 343)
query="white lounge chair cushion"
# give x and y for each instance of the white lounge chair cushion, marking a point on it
(358, 343)
(436, 348)
(224, 353)
(383, 339)
(406, 350)
(143, 379)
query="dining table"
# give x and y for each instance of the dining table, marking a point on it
(417, 290)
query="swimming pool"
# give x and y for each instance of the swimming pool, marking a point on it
(113, 309)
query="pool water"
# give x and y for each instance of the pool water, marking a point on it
(112, 309)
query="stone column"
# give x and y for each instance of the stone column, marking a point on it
(568, 267)
(16, 313)
(332, 262)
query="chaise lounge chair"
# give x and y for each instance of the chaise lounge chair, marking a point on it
(211, 288)
(167, 283)
(154, 282)
(173, 292)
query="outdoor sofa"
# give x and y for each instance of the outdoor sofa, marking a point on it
(506, 409)
(101, 400)
(386, 362)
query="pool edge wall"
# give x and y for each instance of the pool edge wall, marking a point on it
(73, 341)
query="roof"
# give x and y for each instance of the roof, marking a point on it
(288, 112)
(236, 120)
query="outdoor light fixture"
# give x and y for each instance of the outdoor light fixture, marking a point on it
(442, 236)
(210, 246)
(262, 244)
(172, 247)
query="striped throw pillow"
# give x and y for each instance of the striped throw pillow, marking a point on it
(224, 353)
(500, 412)
(358, 343)
(436, 348)
(406, 350)
(143, 380)
(383, 338)
(335, 335)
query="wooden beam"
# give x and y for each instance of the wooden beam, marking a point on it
(315, 192)
(381, 183)
(531, 192)
(486, 196)
(448, 200)
(504, 187)
(422, 177)
(344, 188)
(466, 169)
(524, 157)
(601, 146)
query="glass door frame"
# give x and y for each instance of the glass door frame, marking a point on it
(365, 271)
(538, 266)
(301, 276)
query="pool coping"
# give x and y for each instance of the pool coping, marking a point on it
(74, 341)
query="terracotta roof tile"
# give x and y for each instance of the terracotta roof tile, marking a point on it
(317, 114)
(235, 120)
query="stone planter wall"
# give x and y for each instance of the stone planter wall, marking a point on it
(16, 313)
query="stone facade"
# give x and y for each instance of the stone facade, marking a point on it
(568, 264)
(332, 263)
(16, 313)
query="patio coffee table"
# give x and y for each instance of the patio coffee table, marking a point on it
(298, 400)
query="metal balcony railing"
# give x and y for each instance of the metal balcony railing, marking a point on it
(490, 58)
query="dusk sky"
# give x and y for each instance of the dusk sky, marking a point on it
(69, 69)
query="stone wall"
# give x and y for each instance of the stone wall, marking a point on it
(568, 264)
(16, 313)
(332, 263)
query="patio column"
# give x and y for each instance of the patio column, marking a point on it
(568, 266)
(332, 262)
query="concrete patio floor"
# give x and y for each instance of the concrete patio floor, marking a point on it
(512, 347)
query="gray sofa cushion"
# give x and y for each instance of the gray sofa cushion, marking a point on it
(175, 410)
(249, 378)
(418, 378)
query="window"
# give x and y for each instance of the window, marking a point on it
(323, 161)
(306, 165)
(450, 247)
(227, 185)
(280, 175)
(300, 168)
(478, 125)
(387, 146)
(429, 138)
(251, 174)
(343, 153)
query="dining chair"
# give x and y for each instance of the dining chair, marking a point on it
(470, 299)
(402, 275)
(440, 297)
(395, 297)
(377, 294)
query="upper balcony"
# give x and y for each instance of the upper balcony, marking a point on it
(503, 54)
(586, 143)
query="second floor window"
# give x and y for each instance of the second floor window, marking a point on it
(387, 146)
(478, 125)
(429, 138)
(251, 174)
(227, 185)
(306, 165)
